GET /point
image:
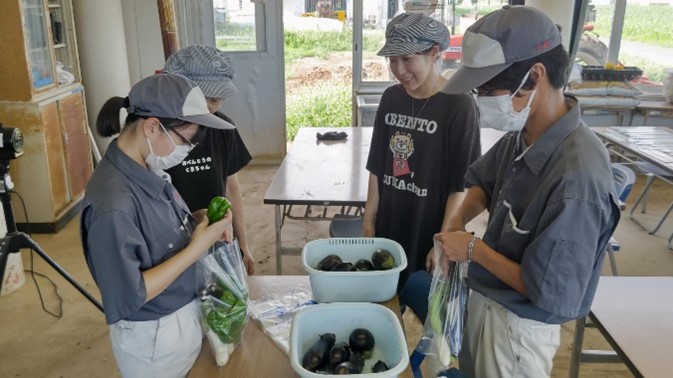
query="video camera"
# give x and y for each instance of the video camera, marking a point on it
(11, 143)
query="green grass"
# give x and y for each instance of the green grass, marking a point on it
(651, 70)
(328, 104)
(647, 24)
(304, 44)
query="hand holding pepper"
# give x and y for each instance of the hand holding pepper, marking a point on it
(217, 208)
(207, 234)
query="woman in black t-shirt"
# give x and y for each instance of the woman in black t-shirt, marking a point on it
(422, 143)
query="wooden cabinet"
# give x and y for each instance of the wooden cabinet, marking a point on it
(41, 94)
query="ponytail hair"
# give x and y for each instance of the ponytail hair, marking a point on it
(107, 123)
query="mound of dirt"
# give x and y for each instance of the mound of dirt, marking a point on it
(338, 67)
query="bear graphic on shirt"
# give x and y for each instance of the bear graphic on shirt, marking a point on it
(402, 146)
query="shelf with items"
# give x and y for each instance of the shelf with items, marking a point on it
(40, 53)
(39, 49)
(63, 34)
(42, 95)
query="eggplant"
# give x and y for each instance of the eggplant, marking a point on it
(343, 267)
(379, 367)
(317, 356)
(329, 262)
(339, 353)
(383, 259)
(361, 340)
(347, 367)
(363, 265)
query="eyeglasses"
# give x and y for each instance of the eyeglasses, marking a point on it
(184, 140)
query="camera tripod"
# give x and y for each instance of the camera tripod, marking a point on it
(14, 240)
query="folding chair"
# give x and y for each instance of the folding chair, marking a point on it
(347, 224)
(624, 177)
(652, 171)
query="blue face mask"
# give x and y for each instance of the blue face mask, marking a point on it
(174, 158)
(498, 112)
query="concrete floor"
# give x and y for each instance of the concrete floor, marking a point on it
(36, 344)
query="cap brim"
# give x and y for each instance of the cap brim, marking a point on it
(466, 78)
(217, 89)
(208, 120)
(397, 48)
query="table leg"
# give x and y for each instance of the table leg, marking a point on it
(279, 248)
(577, 348)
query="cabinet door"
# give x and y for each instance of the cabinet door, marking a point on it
(76, 142)
(60, 195)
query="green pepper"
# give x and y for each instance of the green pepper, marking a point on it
(228, 297)
(228, 325)
(217, 208)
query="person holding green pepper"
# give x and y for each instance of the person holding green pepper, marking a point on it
(139, 237)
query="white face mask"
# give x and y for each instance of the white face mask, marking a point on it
(174, 158)
(498, 112)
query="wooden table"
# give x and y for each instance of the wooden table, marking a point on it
(647, 143)
(326, 173)
(257, 355)
(624, 113)
(635, 316)
(649, 108)
(650, 148)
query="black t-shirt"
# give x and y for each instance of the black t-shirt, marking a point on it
(419, 161)
(203, 174)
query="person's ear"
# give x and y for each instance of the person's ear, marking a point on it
(151, 127)
(538, 73)
(435, 52)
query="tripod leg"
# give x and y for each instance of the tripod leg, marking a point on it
(27, 242)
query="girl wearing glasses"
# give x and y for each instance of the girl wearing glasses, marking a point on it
(139, 238)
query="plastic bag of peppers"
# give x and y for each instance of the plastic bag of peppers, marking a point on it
(224, 299)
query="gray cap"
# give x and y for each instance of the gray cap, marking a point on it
(172, 96)
(207, 66)
(499, 39)
(411, 33)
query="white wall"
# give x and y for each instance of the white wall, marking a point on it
(102, 55)
(122, 46)
(143, 38)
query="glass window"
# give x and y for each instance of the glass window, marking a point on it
(37, 43)
(647, 35)
(235, 25)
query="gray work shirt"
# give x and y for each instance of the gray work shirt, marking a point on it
(552, 208)
(134, 220)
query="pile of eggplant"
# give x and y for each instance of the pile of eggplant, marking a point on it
(381, 259)
(329, 357)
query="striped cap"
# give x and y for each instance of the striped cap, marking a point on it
(499, 39)
(411, 33)
(207, 66)
(172, 96)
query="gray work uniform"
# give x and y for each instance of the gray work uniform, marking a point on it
(133, 220)
(552, 208)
